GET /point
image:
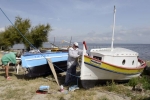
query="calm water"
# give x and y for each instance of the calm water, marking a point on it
(142, 49)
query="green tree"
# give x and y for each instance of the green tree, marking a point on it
(5, 40)
(2, 41)
(22, 32)
(38, 35)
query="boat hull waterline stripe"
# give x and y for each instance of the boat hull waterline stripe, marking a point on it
(113, 71)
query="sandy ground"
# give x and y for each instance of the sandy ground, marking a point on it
(20, 88)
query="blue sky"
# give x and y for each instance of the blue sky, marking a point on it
(84, 20)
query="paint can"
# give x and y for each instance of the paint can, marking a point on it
(44, 88)
(61, 88)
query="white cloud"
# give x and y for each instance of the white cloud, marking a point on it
(86, 20)
(122, 35)
(2, 29)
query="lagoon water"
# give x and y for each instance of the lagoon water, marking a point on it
(142, 49)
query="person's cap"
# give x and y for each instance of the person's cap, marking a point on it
(76, 44)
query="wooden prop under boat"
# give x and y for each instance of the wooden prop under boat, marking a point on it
(105, 64)
(37, 64)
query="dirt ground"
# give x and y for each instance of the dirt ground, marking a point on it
(22, 88)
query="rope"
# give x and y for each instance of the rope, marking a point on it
(33, 45)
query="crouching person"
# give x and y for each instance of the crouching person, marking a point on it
(9, 58)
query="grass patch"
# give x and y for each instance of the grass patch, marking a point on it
(111, 86)
(14, 93)
(144, 81)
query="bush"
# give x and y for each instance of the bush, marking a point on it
(133, 82)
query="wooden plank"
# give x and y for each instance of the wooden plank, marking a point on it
(52, 69)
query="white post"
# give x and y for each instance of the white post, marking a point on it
(113, 30)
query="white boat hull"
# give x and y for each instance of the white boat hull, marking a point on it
(95, 73)
(94, 69)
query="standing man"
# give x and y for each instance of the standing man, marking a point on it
(73, 54)
(9, 58)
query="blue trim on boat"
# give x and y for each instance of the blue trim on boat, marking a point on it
(38, 59)
(30, 54)
(110, 70)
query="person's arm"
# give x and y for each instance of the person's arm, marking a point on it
(72, 53)
(80, 52)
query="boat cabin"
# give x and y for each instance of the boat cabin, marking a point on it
(118, 56)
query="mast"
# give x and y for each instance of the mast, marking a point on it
(54, 40)
(70, 41)
(113, 30)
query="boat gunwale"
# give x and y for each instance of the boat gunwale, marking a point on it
(113, 71)
(32, 54)
(142, 66)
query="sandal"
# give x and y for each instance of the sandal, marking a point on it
(8, 78)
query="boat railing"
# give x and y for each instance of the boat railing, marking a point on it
(142, 62)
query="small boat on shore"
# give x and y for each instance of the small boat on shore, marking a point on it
(104, 64)
(36, 64)
(118, 64)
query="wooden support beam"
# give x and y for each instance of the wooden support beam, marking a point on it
(52, 69)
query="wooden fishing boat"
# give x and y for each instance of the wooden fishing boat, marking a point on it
(36, 64)
(104, 64)
(118, 64)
